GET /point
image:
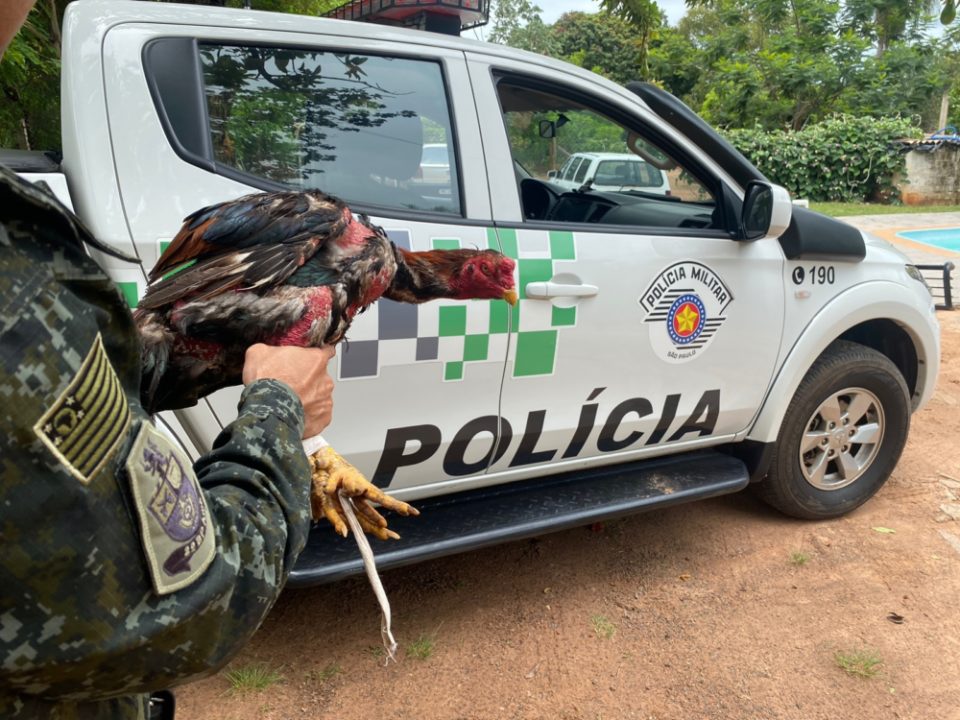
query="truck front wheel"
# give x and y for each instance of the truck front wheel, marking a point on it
(842, 434)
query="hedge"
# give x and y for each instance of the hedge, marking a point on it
(841, 159)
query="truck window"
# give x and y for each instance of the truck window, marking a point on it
(581, 171)
(372, 130)
(572, 166)
(625, 187)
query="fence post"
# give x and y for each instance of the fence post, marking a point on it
(947, 291)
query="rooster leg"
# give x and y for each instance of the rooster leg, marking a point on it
(331, 475)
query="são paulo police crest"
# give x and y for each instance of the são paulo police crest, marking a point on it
(685, 306)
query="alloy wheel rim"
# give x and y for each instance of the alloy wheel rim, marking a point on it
(841, 439)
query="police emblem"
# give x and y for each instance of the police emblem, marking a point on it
(175, 527)
(686, 319)
(685, 306)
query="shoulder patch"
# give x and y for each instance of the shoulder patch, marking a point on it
(86, 423)
(175, 526)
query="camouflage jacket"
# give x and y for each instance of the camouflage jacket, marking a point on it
(118, 574)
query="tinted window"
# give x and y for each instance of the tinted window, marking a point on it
(351, 125)
(582, 171)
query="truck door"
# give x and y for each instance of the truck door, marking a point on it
(642, 328)
(214, 113)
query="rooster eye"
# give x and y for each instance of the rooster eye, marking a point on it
(485, 269)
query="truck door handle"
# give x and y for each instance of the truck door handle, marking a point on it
(547, 290)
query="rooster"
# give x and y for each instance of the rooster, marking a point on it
(288, 268)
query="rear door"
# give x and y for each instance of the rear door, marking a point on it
(642, 328)
(214, 113)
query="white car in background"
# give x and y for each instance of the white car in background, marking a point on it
(611, 171)
(435, 164)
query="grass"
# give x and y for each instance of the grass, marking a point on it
(839, 209)
(329, 671)
(252, 678)
(799, 558)
(421, 648)
(603, 628)
(862, 663)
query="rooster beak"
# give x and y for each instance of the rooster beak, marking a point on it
(510, 296)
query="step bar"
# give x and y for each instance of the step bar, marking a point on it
(474, 519)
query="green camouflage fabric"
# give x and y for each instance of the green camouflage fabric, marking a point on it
(83, 633)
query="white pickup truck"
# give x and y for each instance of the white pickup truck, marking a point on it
(664, 349)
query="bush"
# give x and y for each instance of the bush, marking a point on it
(841, 159)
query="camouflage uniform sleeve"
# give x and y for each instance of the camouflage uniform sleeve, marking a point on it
(256, 483)
(259, 458)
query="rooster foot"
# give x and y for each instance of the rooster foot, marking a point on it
(333, 475)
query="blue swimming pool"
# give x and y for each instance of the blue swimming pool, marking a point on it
(946, 238)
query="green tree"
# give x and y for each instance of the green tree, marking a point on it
(784, 63)
(645, 15)
(517, 23)
(600, 42)
(509, 16)
(30, 81)
(886, 21)
(30, 70)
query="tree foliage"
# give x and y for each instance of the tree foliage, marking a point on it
(644, 15)
(30, 81)
(30, 70)
(776, 63)
(605, 44)
(886, 21)
(842, 158)
(784, 63)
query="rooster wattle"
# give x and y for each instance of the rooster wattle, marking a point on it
(288, 268)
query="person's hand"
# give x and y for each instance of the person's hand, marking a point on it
(304, 370)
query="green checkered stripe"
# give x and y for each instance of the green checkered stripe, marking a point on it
(131, 282)
(466, 332)
(536, 324)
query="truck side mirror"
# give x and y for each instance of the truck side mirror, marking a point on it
(766, 211)
(552, 174)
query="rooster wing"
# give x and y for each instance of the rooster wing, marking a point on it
(257, 241)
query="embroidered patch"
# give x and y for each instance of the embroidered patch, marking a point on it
(175, 526)
(87, 422)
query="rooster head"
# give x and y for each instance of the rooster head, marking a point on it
(484, 275)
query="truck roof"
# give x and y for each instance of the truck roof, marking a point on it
(106, 13)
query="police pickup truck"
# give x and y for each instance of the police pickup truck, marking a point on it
(665, 348)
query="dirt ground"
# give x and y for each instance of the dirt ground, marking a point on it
(717, 609)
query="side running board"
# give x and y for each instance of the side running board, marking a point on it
(478, 518)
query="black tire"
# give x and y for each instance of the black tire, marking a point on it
(836, 474)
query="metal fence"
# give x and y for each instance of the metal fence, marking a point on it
(938, 279)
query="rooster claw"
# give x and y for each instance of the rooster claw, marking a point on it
(336, 481)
